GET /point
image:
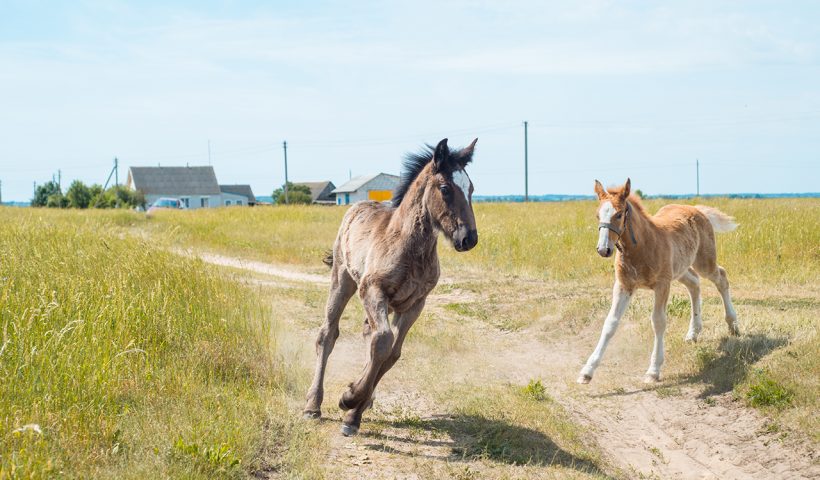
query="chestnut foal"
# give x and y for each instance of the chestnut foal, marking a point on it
(677, 243)
(388, 253)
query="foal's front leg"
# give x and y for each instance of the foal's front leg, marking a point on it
(401, 323)
(381, 344)
(653, 374)
(620, 300)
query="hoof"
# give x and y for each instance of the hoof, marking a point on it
(650, 378)
(583, 379)
(349, 430)
(312, 414)
(691, 339)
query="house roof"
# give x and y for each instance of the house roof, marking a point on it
(317, 189)
(356, 183)
(174, 180)
(243, 190)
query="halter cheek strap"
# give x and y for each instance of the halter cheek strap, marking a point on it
(625, 226)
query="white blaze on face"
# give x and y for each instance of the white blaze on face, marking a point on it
(605, 216)
(606, 212)
(462, 181)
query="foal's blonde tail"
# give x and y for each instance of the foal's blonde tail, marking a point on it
(721, 222)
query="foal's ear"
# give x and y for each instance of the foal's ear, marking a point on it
(627, 188)
(599, 190)
(441, 155)
(465, 156)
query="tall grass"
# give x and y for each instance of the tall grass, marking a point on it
(295, 234)
(778, 240)
(121, 360)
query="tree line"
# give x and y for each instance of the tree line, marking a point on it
(80, 195)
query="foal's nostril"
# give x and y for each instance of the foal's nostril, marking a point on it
(472, 238)
(608, 251)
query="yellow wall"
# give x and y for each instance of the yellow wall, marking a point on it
(379, 195)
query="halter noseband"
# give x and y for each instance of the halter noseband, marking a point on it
(625, 225)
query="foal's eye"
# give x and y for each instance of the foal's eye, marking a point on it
(616, 216)
(445, 189)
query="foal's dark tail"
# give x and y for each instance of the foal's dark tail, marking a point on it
(328, 258)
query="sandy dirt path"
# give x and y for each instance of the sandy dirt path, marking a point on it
(645, 433)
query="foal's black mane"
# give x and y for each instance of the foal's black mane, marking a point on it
(413, 164)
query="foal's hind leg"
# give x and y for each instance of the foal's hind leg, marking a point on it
(653, 374)
(402, 323)
(691, 280)
(720, 279)
(342, 287)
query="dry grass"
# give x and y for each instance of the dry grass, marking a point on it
(544, 254)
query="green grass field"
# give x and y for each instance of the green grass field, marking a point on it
(121, 360)
(135, 362)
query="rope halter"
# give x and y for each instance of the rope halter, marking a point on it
(619, 231)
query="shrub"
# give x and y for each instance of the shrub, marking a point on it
(765, 392)
(297, 194)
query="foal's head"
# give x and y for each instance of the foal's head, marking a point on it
(612, 215)
(440, 174)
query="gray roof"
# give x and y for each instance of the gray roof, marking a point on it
(356, 183)
(242, 190)
(174, 181)
(317, 189)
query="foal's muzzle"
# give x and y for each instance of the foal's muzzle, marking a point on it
(605, 245)
(465, 239)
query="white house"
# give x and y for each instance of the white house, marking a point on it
(378, 187)
(195, 187)
(237, 195)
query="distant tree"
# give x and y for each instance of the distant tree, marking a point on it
(96, 192)
(296, 194)
(78, 195)
(42, 192)
(124, 197)
(116, 197)
(56, 200)
(639, 193)
(138, 199)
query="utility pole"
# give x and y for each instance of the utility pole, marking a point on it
(114, 173)
(526, 166)
(209, 151)
(285, 147)
(697, 175)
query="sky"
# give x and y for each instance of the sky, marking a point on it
(609, 89)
